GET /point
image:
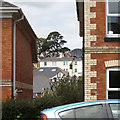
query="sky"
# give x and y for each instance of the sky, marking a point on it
(52, 15)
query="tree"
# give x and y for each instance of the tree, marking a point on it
(69, 90)
(51, 45)
(40, 42)
(56, 42)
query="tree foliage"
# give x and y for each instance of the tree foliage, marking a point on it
(51, 45)
(69, 90)
(66, 90)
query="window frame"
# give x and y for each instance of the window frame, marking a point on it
(45, 63)
(110, 15)
(107, 80)
(81, 106)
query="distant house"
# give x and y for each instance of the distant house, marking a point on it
(40, 83)
(42, 78)
(18, 53)
(49, 72)
(71, 65)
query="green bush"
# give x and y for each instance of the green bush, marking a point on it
(63, 92)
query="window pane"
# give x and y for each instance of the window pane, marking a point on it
(113, 94)
(76, 70)
(67, 114)
(90, 112)
(114, 79)
(114, 7)
(115, 110)
(45, 63)
(113, 25)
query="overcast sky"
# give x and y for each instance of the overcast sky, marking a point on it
(46, 17)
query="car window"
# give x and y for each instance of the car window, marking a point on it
(115, 110)
(95, 111)
(67, 114)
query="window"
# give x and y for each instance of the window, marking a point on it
(75, 69)
(115, 110)
(53, 70)
(45, 63)
(90, 112)
(54, 63)
(67, 114)
(65, 62)
(75, 62)
(113, 18)
(113, 83)
(41, 70)
(95, 111)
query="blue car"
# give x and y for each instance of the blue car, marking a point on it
(109, 109)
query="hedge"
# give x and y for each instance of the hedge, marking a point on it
(31, 108)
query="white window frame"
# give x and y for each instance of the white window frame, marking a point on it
(107, 80)
(110, 15)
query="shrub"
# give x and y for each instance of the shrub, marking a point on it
(67, 90)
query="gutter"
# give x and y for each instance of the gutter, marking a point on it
(14, 55)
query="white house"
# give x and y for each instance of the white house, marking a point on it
(65, 63)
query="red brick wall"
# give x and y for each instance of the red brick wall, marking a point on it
(26, 93)
(24, 69)
(101, 73)
(101, 57)
(6, 92)
(7, 50)
(101, 26)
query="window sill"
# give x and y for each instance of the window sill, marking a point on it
(111, 39)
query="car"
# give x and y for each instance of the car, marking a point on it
(109, 109)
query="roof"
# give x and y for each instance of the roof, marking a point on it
(40, 82)
(76, 53)
(49, 72)
(6, 4)
(59, 59)
(16, 13)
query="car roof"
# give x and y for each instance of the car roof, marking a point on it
(79, 103)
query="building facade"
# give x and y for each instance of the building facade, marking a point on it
(64, 63)
(100, 28)
(18, 53)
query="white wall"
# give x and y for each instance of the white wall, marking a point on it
(61, 65)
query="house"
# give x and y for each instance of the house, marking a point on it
(43, 77)
(71, 65)
(100, 29)
(18, 53)
(50, 72)
(40, 84)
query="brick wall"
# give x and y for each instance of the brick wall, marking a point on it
(97, 52)
(7, 48)
(24, 69)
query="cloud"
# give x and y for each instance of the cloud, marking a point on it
(58, 16)
(41, 1)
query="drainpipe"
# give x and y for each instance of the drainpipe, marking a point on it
(14, 55)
